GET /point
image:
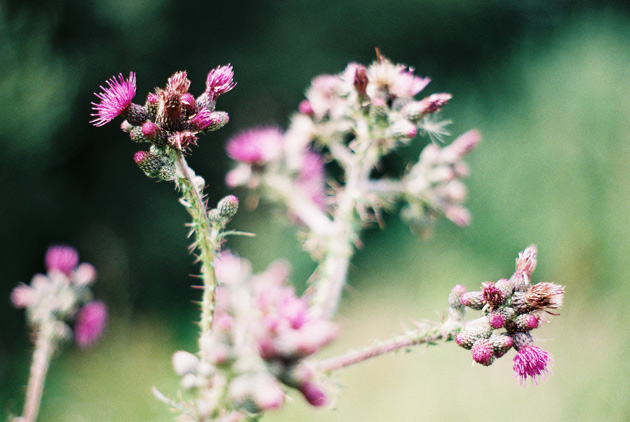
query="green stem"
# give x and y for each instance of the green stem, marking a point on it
(206, 238)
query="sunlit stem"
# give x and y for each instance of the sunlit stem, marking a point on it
(44, 348)
(333, 270)
(429, 334)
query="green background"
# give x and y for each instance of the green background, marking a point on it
(546, 83)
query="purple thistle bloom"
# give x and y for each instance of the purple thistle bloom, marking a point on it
(115, 99)
(90, 323)
(531, 361)
(255, 146)
(61, 258)
(220, 80)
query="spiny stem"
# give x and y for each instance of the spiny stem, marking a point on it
(432, 333)
(206, 238)
(44, 348)
(340, 247)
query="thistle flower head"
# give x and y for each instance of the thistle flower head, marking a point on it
(526, 260)
(220, 80)
(545, 297)
(255, 146)
(114, 99)
(61, 258)
(532, 362)
(90, 323)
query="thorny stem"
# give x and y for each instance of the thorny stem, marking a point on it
(340, 247)
(206, 238)
(44, 348)
(432, 333)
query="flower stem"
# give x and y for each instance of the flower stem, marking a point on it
(206, 236)
(44, 347)
(340, 246)
(432, 333)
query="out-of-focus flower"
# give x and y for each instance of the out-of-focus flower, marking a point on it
(255, 146)
(90, 323)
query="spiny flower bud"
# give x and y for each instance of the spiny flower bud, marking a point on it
(404, 130)
(496, 320)
(228, 206)
(522, 340)
(501, 344)
(218, 119)
(526, 322)
(482, 352)
(454, 298)
(473, 300)
(153, 165)
(136, 114)
(467, 337)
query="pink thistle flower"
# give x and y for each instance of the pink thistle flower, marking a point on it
(255, 146)
(61, 258)
(202, 120)
(179, 82)
(115, 99)
(90, 323)
(220, 80)
(531, 362)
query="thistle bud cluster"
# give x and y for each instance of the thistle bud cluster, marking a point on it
(171, 118)
(355, 118)
(434, 184)
(511, 309)
(262, 333)
(59, 303)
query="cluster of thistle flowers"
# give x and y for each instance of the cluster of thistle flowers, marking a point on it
(362, 108)
(512, 308)
(61, 296)
(171, 118)
(262, 332)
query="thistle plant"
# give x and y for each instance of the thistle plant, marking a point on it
(59, 307)
(258, 338)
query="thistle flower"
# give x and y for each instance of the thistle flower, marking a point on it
(115, 99)
(90, 323)
(255, 146)
(531, 362)
(220, 80)
(61, 258)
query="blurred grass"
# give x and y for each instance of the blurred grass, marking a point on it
(553, 169)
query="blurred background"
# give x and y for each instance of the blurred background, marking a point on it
(546, 82)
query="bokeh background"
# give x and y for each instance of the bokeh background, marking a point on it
(546, 82)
